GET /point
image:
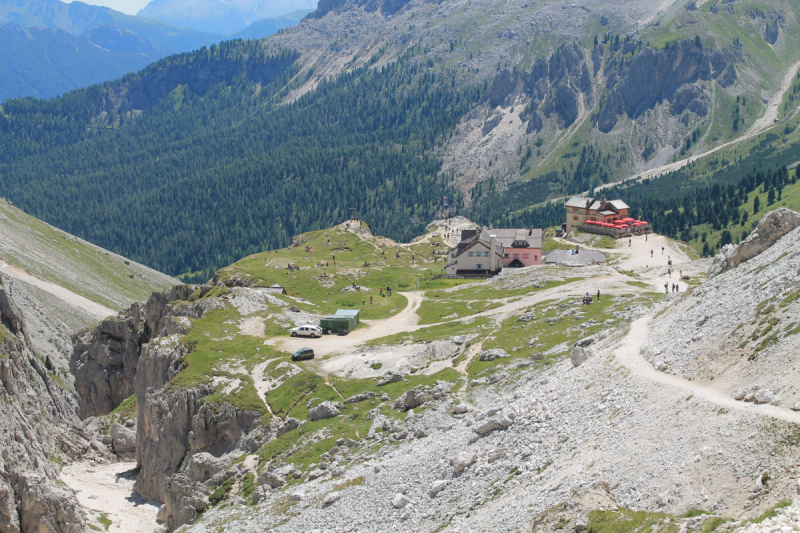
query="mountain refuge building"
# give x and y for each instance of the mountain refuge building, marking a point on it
(487, 251)
(583, 208)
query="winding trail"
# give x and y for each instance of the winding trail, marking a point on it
(76, 300)
(628, 353)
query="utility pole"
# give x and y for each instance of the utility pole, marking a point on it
(352, 213)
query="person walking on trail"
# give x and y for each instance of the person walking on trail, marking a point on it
(666, 287)
(651, 253)
(680, 274)
(598, 295)
(629, 243)
(370, 299)
(662, 250)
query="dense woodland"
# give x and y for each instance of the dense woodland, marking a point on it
(199, 181)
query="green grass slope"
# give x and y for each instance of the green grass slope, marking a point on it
(101, 276)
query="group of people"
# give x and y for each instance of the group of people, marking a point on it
(675, 287)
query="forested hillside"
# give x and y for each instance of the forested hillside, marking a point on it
(385, 110)
(207, 177)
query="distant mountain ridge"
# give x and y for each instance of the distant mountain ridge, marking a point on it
(53, 47)
(45, 62)
(223, 16)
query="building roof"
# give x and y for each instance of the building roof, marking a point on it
(579, 201)
(607, 213)
(587, 202)
(484, 238)
(581, 256)
(347, 312)
(508, 236)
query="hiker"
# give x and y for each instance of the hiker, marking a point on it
(666, 287)
(598, 295)
(651, 253)
(629, 242)
(677, 287)
(662, 250)
(370, 299)
(381, 292)
(363, 302)
(669, 272)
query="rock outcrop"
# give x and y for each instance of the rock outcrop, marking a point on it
(35, 409)
(174, 425)
(105, 358)
(772, 227)
(652, 76)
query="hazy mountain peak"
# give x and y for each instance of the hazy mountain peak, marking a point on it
(220, 16)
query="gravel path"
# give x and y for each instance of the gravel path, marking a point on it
(628, 353)
(76, 300)
(101, 488)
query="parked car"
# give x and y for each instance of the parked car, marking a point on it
(303, 354)
(307, 331)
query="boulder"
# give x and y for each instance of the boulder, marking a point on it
(123, 441)
(296, 497)
(796, 406)
(498, 421)
(578, 356)
(491, 355)
(463, 461)
(271, 479)
(259, 494)
(161, 516)
(412, 398)
(772, 227)
(366, 395)
(391, 377)
(460, 409)
(323, 411)
(331, 498)
(288, 425)
(438, 486)
(400, 501)
(764, 396)
(203, 466)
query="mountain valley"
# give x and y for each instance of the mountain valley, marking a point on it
(167, 238)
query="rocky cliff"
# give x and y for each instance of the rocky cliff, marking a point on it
(105, 358)
(174, 426)
(39, 422)
(141, 351)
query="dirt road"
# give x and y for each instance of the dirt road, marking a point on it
(405, 320)
(102, 489)
(69, 297)
(628, 353)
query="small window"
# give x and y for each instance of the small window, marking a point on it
(469, 254)
(525, 256)
(506, 256)
(479, 266)
(485, 254)
(574, 217)
(535, 257)
(516, 256)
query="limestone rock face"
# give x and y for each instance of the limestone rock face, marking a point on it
(412, 398)
(105, 358)
(104, 362)
(175, 426)
(772, 227)
(35, 413)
